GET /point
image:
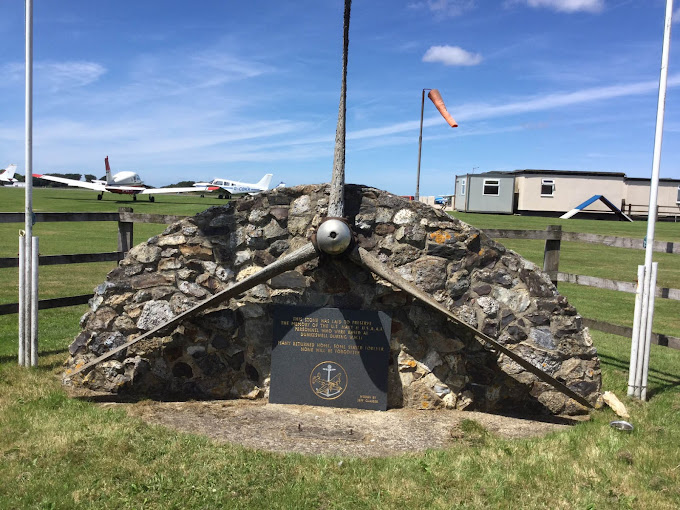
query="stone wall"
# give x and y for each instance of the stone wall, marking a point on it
(226, 351)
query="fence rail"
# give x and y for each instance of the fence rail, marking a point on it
(553, 236)
(76, 258)
(616, 242)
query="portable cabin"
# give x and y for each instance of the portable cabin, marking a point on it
(488, 192)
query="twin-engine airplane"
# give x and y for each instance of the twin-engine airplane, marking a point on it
(7, 176)
(123, 183)
(232, 188)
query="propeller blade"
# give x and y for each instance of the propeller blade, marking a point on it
(336, 202)
(281, 265)
(364, 259)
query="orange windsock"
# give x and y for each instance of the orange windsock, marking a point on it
(436, 98)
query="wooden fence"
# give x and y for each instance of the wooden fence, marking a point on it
(126, 219)
(642, 211)
(553, 236)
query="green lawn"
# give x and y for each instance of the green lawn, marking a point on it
(57, 452)
(600, 261)
(664, 231)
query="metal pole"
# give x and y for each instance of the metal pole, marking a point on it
(654, 185)
(28, 210)
(22, 297)
(648, 333)
(34, 302)
(642, 340)
(632, 370)
(420, 143)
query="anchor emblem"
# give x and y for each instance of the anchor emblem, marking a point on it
(325, 384)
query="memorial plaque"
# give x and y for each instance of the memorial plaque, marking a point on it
(330, 357)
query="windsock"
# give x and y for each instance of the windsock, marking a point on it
(436, 98)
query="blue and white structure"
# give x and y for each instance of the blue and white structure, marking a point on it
(579, 208)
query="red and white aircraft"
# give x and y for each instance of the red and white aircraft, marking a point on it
(123, 183)
(7, 176)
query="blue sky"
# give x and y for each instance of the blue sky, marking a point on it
(180, 90)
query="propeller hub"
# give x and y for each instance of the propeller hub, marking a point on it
(333, 236)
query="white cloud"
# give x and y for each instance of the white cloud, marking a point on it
(562, 99)
(449, 8)
(569, 5)
(451, 56)
(58, 75)
(445, 8)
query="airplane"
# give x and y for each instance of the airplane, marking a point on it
(8, 175)
(124, 183)
(238, 188)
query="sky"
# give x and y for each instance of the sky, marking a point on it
(179, 90)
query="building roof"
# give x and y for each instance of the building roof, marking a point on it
(575, 173)
(647, 180)
(568, 172)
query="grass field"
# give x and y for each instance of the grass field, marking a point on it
(56, 452)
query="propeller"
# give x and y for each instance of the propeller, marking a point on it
(334, 237)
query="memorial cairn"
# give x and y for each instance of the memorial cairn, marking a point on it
(337, 295)
(429, 361)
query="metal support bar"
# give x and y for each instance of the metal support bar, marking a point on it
(22, 300)
(632, 371)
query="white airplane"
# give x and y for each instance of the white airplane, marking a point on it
(124, 183)
(231, 188)
(7, 176)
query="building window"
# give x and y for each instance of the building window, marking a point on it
(547, 187)
(677, 200)
(462, 186)
(491, 187)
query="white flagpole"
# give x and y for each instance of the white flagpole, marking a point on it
(28, 210)
(653, 193)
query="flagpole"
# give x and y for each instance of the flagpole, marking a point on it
(436, 99)
(647, 307)
(29, 328)
(420, 143)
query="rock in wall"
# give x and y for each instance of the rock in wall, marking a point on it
(225, 352)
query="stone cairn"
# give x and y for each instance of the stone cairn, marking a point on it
(225, 352)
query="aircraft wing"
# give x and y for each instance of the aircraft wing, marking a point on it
(167, 191)
(71, 182)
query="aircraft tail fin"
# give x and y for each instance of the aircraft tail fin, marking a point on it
(8, 174)
(108, 170)
(264, 182)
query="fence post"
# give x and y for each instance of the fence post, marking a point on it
(125, 239)
(551, 253)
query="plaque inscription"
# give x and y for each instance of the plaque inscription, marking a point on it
(330, 357)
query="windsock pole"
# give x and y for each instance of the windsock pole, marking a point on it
(420, 144)
(438, 102)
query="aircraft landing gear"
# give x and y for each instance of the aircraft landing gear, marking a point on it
(100, 196)
(134, 198)
(152, 198)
